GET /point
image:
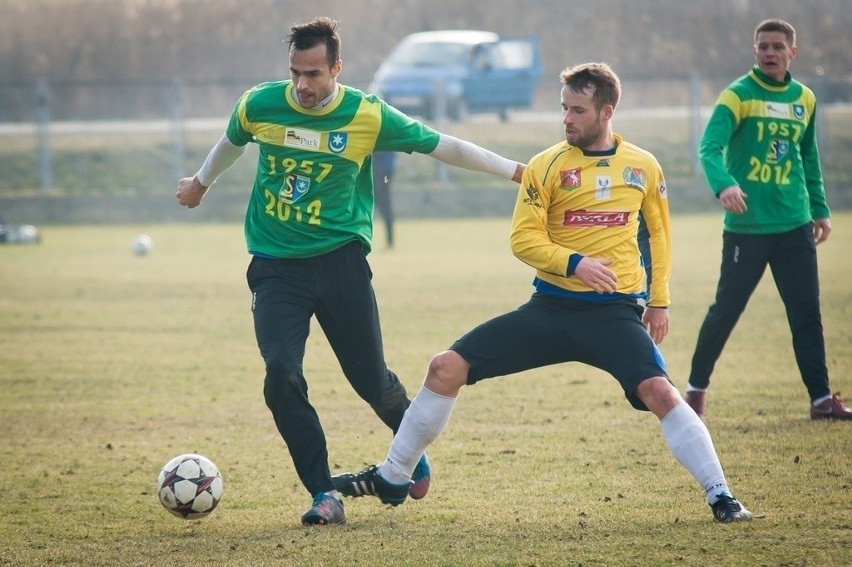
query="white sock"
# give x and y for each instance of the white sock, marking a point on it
(690, 443)
(818, 401)
(423, 422)
(691, 388)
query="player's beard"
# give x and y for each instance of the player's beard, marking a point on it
(588, 137)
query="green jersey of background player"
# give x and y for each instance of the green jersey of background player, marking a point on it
(760, 156)
(309, 226)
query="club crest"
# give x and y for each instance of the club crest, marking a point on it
(337, 141)
(295, 187)
(635, 177)
(778, 150)
(570, 178)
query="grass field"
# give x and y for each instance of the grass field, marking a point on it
(111, 364)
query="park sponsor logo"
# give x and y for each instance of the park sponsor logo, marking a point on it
(337, 141)
(777, 110)
(799, 111)
(302, 138)
(635, 177)
(603, 187)
(583, 218)
(570, 178)
(295, 187)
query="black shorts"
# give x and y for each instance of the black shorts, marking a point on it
(548, 330)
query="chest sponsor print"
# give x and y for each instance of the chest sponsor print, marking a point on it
(302, 138)
(777, 110)
(583, 218)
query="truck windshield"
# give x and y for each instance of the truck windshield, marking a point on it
(516, 54)
(431, 54)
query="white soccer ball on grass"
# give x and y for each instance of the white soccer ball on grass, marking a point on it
(190, 486)
(142, 245)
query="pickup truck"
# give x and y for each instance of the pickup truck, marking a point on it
(453, 73)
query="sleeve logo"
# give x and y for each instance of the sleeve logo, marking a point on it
(533, 199)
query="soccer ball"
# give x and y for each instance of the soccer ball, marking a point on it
(142, 245)
(190, 486)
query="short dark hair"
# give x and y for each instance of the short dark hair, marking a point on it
(317, 31)
(776, 25)
(596, 77)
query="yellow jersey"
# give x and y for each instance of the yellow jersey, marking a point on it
(589, 203)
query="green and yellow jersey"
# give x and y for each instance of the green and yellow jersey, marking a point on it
(313, 189)
(761, 138)
(571, 202)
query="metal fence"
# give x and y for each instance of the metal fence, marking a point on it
(137, 139)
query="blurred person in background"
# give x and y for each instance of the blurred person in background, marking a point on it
(308, 228)
(576, 221)
(760, 157)
(384, 166)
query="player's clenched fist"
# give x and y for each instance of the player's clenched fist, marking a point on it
(190, 191)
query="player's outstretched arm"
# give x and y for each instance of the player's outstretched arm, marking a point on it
(221, 157)
(468, 155)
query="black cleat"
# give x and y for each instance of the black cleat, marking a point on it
(728, 509)
(368, 482)
(326, 509)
